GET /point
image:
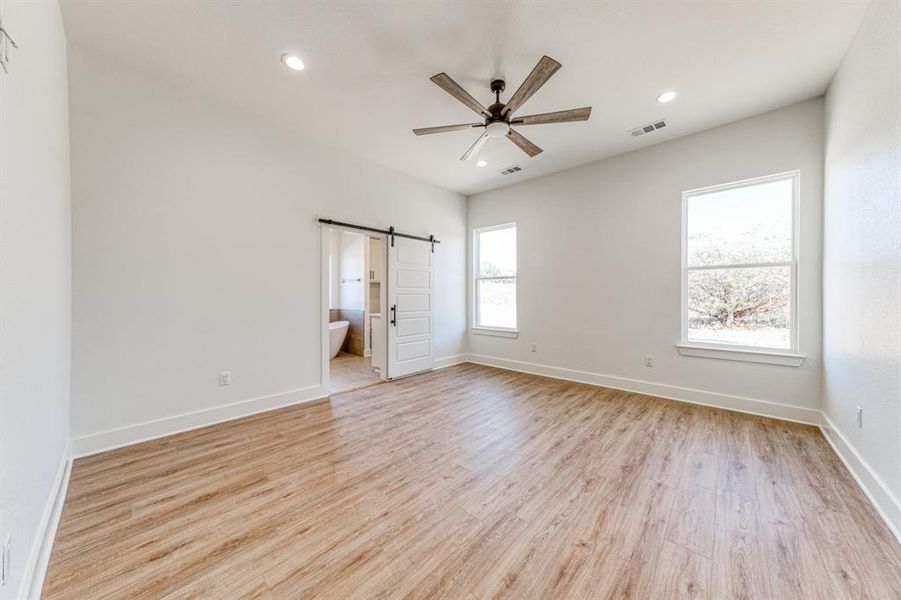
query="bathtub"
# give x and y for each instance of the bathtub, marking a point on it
(336, 333)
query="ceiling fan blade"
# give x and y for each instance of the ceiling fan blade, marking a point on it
(546, 67)
(561, 116)
(524, 144)
(442, 129)
(474, 149)
(453, 88)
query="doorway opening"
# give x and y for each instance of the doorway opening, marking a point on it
(378, 304)
(353, 290)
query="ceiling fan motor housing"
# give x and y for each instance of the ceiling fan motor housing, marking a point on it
(497, 86)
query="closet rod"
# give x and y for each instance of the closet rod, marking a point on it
(390, 232)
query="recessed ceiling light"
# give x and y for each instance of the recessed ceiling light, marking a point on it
(293, 62)
(481, 163)
(667, 96)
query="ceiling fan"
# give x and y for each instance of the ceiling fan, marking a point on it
(498, 118)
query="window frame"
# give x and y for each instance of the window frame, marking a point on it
(711, 349)
(476, 326)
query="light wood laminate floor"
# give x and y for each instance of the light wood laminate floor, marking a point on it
(349, 372)
(473, 482)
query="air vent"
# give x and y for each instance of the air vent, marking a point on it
(511, 170)
(650, 127)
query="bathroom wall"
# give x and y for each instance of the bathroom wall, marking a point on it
(352, 286)
(352, 266)
(354, 341)
(346, 294)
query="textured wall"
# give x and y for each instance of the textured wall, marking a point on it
(862, 249)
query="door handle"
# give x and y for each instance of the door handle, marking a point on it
(394, 315)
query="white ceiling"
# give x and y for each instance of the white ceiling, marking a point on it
(368, 66)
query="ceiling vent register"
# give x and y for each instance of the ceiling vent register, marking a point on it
(649, 128)
(511, 170)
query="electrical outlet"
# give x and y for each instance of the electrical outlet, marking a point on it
(225, 378)
(648, 360)
(534, 347)
(859, 418)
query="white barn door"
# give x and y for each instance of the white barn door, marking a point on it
(411, 295)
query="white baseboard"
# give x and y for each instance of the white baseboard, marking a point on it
(39, 557)
(752, 406)
(886, 504)
(883, 500)
(141, 432)
(111, 439)
(449, 361)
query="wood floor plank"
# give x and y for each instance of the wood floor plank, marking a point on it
(681, 575)
(739, 565)
(735, 474)
(689, 525)
(474, 482)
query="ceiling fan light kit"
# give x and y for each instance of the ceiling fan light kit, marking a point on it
(497, 129)
(498, 117)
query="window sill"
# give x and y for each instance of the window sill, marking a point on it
(770, 357)
(504, 333)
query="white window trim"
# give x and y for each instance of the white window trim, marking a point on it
(788, 359)
(495, 331)
(475, 327)
(778, 356)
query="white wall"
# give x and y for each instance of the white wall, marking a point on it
(862, 254)
(196, 250)
(35, 279)
(351, 297)
(599, 252)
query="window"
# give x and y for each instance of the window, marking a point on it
(739, 265)
(495, 277)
